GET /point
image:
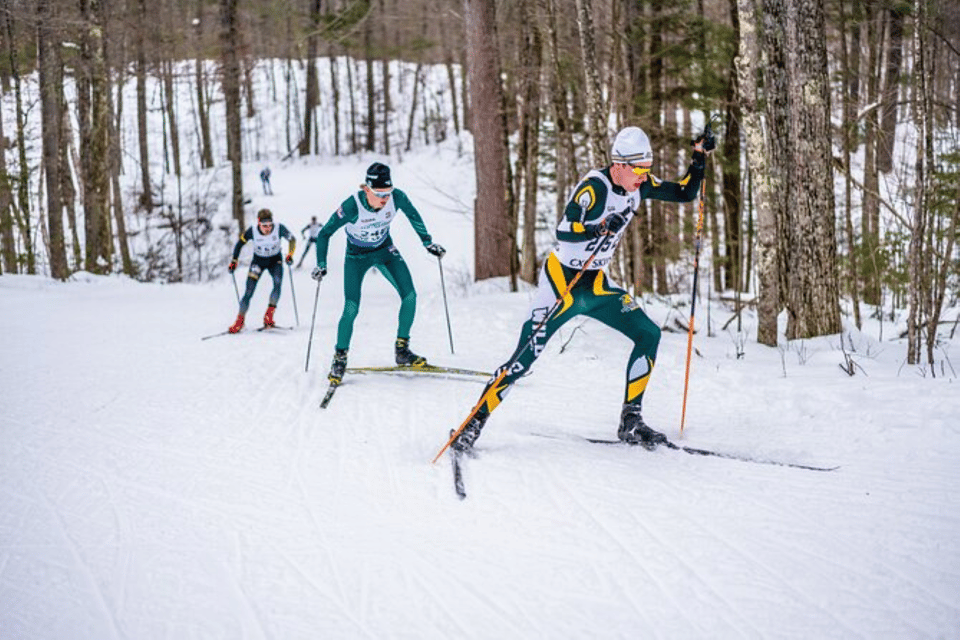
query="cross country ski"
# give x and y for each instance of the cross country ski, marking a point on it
(694, 451)
(427, 368)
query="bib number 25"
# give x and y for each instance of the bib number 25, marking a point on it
(606, 241)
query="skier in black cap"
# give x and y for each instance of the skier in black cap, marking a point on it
(265, 236)
(367, 216)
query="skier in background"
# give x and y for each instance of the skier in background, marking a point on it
(265, 180)
(367, 216)
(593, 223)
(314, 229)
(265, 236)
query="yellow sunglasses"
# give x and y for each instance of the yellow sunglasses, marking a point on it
(639, 170)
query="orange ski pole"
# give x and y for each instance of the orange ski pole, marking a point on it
(493, 388)
(693, 300)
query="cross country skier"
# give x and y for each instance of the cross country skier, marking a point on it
(265, 181)
(367, 216)
(593, 223)
(266, 257)
(314, 229)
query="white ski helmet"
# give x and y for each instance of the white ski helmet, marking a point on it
(631, 146)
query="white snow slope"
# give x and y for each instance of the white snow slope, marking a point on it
(153, 485)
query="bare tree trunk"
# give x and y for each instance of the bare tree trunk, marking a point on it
(203, 108)
(732, 214)
(8, 248)
(51, 101)
(20, 212)
(246, 68)
(230, 63)
(117, 61)
(387, 105)
(68, 192)
(335, 100)
(531, 55)
(847, 53)
(371, 143)
(567, 172)
(751, 235)
(658, 226)
(413, 105)
(919, 286)
(493, 226)
(354, 133)
(451, 76)
(385, 85)
(779, 140)
(95, 143)
(313, 87)
(169, 100)
(596, 126)
(146, 195)
(123, 241)
(636, 53)
(891, 91)
(290, 97)
(870, 217)
(748, 63)
(813, 296)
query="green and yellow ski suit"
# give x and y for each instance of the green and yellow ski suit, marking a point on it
(594, 199)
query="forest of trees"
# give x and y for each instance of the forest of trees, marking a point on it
(835, 185)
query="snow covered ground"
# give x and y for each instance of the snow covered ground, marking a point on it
(153, 485)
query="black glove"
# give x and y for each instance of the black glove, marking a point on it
(611, 224)
(289, 259)
(434, 249)
(232, 266)
(708, 139)
(318, 273)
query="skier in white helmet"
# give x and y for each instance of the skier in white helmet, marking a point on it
(599, 210)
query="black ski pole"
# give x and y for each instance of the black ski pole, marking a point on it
(313, 320)
(693, 297)
(235, 288)
(446, 310)
(293, 292)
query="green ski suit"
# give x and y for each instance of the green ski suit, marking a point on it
(369, 245)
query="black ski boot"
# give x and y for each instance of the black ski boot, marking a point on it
(464, 442)
(338, 367)
(634, 431)
(405, 357)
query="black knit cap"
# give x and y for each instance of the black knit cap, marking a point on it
(265, 215)
(378, 176)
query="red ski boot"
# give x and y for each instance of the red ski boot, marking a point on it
(237, 325)
(268, 317)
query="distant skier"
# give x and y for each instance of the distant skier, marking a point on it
(593, 223)
(367, 216)
(265, 180)
(314, 229)
(266, 257)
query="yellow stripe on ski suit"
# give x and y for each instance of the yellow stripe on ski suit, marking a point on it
(637, 387)
(492, 397)
(555, 273)
(598, 289)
